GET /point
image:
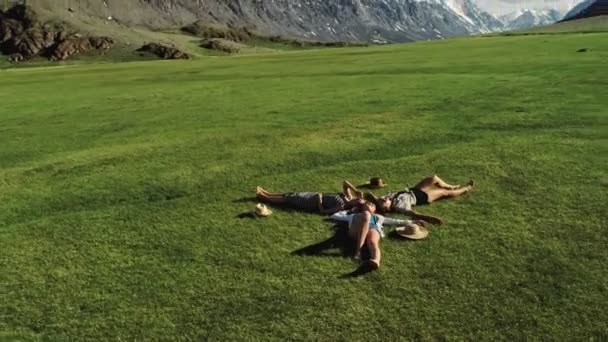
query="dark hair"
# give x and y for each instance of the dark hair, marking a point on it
(380, 207)
(368, 196)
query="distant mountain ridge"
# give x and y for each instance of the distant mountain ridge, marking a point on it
(528, 18)
(320, 20)
(587, 9)
(325, 20)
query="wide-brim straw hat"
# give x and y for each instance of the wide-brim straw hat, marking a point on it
(374, 183)
(412, 231)
(262, 210)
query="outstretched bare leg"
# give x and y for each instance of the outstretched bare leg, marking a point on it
(435, 181)
(266, 196)
(435, 194)
(373, 244)
(358, 230)
(259, 189)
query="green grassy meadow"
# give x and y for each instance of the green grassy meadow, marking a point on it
(120, 185)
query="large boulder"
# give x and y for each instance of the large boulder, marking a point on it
(163, 51)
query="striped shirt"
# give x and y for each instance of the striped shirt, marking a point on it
(307, 201)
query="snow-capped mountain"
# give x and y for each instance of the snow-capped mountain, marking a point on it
(528, 18)
(471, 16)
(323, 20)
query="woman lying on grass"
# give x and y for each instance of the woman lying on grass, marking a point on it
(427, 191)
(366, 228)
(325, 204)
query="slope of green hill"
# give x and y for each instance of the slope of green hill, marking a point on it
(586, 25)
(121, 183)
(594, 24)
(24, 37)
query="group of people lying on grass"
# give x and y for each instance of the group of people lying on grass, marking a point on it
(361, 211)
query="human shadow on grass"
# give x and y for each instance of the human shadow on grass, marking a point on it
(248, 214)
(251, 213)
(338, 245)
(251, 199)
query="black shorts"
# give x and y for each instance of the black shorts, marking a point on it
(421, 197)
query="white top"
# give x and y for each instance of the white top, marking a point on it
(377, 223)
(402, 201)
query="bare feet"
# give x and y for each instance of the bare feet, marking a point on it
(357, 257)
(259, 192)
(371, 264)
(469, 185)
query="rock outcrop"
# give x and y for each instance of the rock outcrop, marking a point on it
(22, 37)
(163, 51)
(77, 45)
(32, 42)
(222, 45)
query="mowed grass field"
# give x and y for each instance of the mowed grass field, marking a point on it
(120, 185)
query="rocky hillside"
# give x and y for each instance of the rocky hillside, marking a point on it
(588, 9)
(323, 20)
(23, 37)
